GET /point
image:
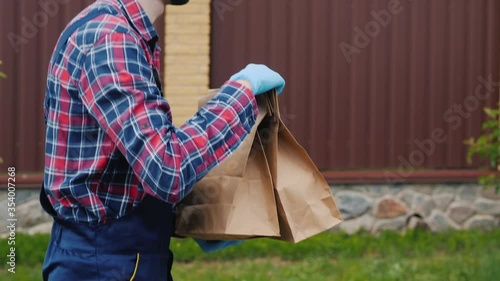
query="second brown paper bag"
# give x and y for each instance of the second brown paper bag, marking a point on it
(304, 200)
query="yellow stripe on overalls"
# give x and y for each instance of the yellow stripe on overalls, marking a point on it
(136, 266)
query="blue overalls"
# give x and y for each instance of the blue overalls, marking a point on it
(135, 247)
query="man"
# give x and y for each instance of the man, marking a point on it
(114, 163)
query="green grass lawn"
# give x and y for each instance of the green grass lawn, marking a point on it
(390, 256)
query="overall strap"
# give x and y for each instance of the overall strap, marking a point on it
(62, 42)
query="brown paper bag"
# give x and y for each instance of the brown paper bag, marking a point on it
(305, 202)
(235, 200)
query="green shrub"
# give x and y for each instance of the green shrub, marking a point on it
(487, 146)
(2, 75)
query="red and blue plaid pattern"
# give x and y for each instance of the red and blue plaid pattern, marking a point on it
(110, 140)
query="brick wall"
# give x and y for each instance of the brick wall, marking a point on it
(187, 61)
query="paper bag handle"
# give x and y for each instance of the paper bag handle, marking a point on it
(271, 100)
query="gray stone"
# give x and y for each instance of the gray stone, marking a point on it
(469, 192)
(397, 188)
(352, 205)
(487, 206)
(461, 211)
(389, 224)
(419, 188)
(443, 200)
(407, 197)
(364, 222)
(353, 188)
(446, 188)
(358, 188)
(438, 222)
(378, 190)
(490, 193)
(481, 222)
(3, 206)
(24, 195)
(3, 194)
(425, 188)
(4, 215)
(336, 189)
(31, 213)
(423, 205)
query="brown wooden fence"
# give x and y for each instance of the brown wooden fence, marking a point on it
(371, 83)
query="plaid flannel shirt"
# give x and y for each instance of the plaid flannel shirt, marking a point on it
(110, 140)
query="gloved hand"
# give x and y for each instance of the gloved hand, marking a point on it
(210, 246)
(261, 77)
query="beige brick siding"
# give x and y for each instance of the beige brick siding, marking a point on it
(187, 57)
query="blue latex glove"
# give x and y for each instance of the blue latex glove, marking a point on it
(210, 246)
(261, 77)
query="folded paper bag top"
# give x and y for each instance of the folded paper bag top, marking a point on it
(269, 187)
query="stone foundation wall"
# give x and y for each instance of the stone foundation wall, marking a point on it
(370, 207)
(436, 207)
